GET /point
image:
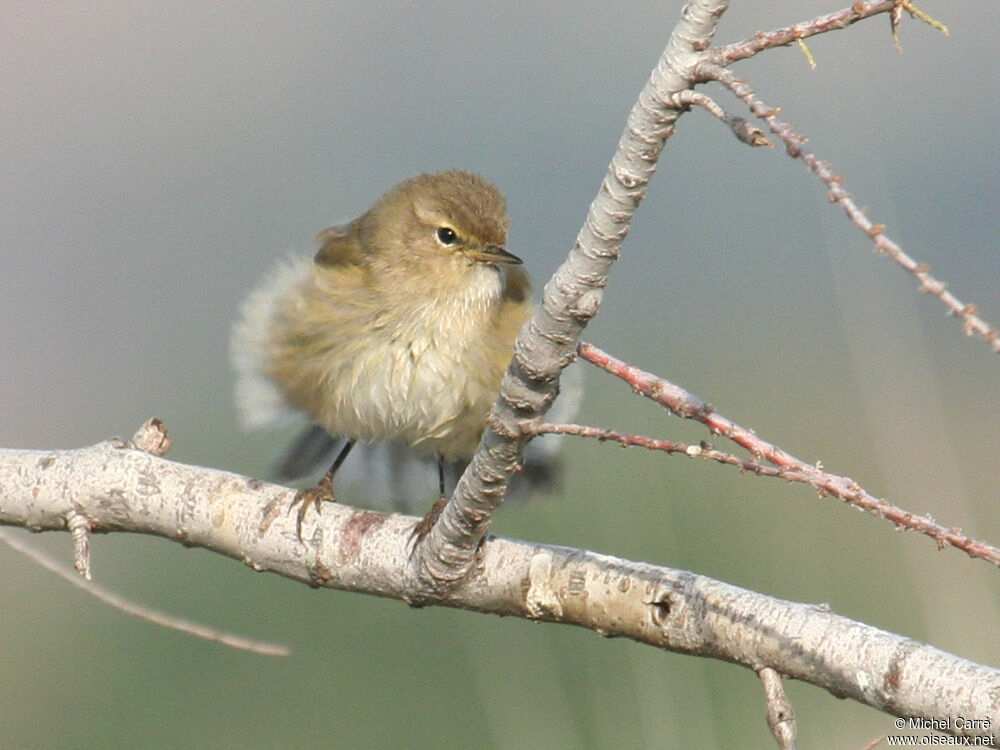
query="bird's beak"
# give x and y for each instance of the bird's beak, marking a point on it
(493, 254)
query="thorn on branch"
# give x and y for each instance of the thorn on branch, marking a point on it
(896, 15)
(804, 49)
(919, 14)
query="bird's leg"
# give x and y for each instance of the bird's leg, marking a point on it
(424, 525)
(441, 494)
(322, 491)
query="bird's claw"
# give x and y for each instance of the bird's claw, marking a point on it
(313, 496)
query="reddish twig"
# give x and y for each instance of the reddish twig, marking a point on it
(744, 131)
(685, 404)
(763, 40)
(540, 427)
(793, 141)
(727, 54)
(537, 427)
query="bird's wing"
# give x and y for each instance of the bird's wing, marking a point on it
(518, 284)
(340, 245)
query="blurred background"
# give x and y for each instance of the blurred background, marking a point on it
(159, 158)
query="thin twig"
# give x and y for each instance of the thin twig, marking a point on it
(793, 141)
(727, 54)
(762, 40)
(685, 404)
(896, 17)
(137, 610)
(804, 49)
(744, 131)
(539, 427)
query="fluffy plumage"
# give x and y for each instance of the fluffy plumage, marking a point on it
(394, 330)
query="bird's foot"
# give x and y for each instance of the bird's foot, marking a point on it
(313, 496)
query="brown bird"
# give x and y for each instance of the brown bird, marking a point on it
(400, 327)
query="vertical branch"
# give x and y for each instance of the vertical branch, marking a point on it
(780, 713)
(571, 298)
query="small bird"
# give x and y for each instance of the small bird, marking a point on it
(399, 328)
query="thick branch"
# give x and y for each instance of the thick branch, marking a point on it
(118, 488)
(548, 341)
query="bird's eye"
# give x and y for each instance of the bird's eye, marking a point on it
(446, 236)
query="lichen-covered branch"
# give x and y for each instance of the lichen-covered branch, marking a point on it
(117, 488)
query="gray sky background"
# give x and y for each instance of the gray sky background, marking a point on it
(159, 158)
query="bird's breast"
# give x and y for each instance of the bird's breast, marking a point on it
(425, 372)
